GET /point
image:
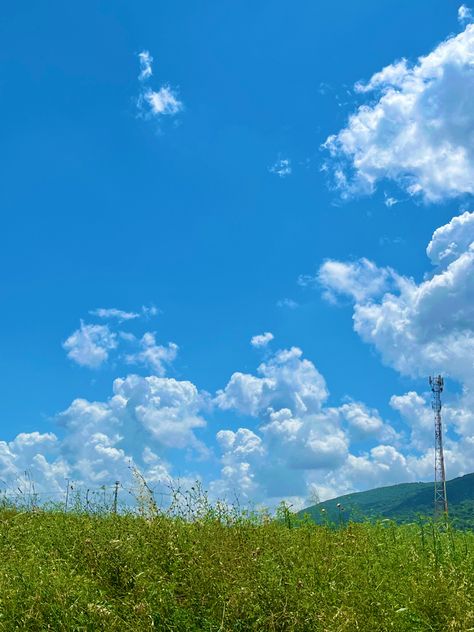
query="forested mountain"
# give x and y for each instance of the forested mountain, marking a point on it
(403, 503)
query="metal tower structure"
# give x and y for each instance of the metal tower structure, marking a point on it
(440, 497)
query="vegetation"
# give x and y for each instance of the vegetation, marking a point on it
(402, 503)
(199, 567)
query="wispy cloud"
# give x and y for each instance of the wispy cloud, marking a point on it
(112, 313)
(146, 69)
(287, 302)
(390, 200)
(464, 14)
(281, 168)
(155, 103)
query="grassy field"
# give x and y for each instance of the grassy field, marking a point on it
(228, 571)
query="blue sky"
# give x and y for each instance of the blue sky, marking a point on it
(115, 198)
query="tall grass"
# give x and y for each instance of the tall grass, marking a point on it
(214, 568)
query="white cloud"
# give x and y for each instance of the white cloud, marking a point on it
(155, 103)
(90, 345)
(281, 168)
(360, 279)
(450, 241)
(421, 329)
(113, 313)
(292, 441)
(152, 355)
(148, 311)
(425, 327)
(364, 423)
(300, 443)
(165, 101)
(418, 131)
(287, 302)
(146, 69)
(262, 340)
(464, 14)
(286, 380)
(390, 201)
(142, 420)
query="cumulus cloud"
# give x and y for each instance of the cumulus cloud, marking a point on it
(421, 329)
(417, 129)
(292, 440)
(90, 345)
(286, 380)
(364, 422)
(450, 241)
(152, 355)
(301, 444)
(360, 279)
(261, 340)
(144, 419)
(428, 326)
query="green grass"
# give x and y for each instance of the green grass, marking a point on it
(225, 571)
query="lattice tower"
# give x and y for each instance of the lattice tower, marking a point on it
(440, 497)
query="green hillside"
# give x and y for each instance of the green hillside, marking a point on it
(402, 503)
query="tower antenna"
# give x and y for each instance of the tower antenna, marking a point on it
(440, 497)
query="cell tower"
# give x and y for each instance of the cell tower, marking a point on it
(440, 497)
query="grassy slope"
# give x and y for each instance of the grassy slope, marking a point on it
(403, 503)
(81, 572)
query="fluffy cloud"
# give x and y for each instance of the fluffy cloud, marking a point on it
(300, 444)
(286, 380)
(152, 355)
(418, 128)
(90, 345)
(160, 413)
(365, 423)
(450, 241)
(423, 327)
(98, 442)
(162, 102)
(359, 279)
(291, 441)
(262, 340)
